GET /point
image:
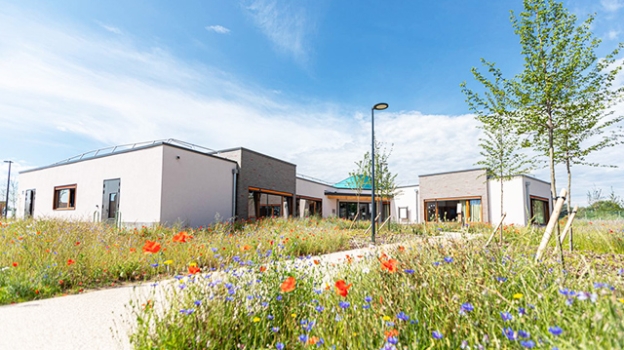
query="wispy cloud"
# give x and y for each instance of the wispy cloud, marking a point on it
(613, 34)
(110, 28)
(218, 29)
(612, 5)
(285, 25)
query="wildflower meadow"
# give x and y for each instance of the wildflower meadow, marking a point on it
(268, 284)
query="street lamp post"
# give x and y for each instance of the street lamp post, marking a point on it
(6, 203)
(379, 107)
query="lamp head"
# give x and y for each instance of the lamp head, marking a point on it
(380, 106)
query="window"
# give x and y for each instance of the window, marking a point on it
(64, 197)
(460, 210)
(539, 210)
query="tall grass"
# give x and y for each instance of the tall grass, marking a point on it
(429, 294)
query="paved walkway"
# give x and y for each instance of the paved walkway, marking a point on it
(93, 320)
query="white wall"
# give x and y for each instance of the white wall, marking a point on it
(140, 193)
(406, 197)
(317, 190)
(516, 199)
(196, 188)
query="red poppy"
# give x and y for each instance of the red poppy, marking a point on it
(193, 269)
(70, 262)
(349, 259)
(389, 265)
(288, 285)
(15, 264)
(246, 247)
(132, 250)
(151, 247)
(316, 262)
(401, 248)
(181, 237)
(77, 243)
(342, 288)
(391, 333)
(262, 268)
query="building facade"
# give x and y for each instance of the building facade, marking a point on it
(173, 182)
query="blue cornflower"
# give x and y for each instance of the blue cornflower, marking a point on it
(279, 346)
(521, 311)
(506, 316)
(320, 342)
(448, 259)
(236, 258)
(555, 330)
(344, 304)
(319, 308)
(436, 263)
(303, 338)
(389, 324)
(388, 346)
(501, 279)
(403, 316)
(229, 298)
(270, 317)
(275, 329)
(529, 344)
(509, 333)
(436, 335)
(214, 250)
(366, 306)
(467, 307)
(393, 340)
(368, 299)
(197, 302)
(523, 334)
(187, 311)
(279, 298)
(154, 265)
(410, 271)
(264, 304)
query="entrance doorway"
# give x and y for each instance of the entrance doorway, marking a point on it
(110, 200)
(29, 205)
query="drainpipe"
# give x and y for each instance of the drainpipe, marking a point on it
(234, 178)
(527, 197)
(417, 211)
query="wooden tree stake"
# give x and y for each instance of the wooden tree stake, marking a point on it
(496, 229)
(569, 223)
(554, 218)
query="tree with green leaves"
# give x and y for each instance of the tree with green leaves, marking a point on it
(500, 144)
(357, 181)
(385, 180)
(565, 91)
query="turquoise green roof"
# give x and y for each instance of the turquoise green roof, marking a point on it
(351, 181)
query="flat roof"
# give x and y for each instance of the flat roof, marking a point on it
(251, 151)
(131, 147)
(452, 172)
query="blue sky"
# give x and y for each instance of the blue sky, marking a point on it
(292, 79)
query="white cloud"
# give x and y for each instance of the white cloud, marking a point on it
(286, 26)
(111, 29)
(218, 29)
(612, 5)
(613, 34)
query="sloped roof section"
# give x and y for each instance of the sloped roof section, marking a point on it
(352, 181)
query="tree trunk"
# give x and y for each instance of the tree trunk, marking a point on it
(551, 154)
(501, 226)
(568, 168)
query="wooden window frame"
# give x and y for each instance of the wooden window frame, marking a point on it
(57, 190)
(458, 199)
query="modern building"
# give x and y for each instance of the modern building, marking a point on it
(174, 182)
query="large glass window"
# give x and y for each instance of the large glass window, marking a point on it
(349, 210)
(261, 205)
(461, 210)
(64, 197)
(309, 207)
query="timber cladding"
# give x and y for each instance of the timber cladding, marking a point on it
(455, 185)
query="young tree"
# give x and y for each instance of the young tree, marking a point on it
(500, 145)
(357, 181)
(385, 185)
(564, 90)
